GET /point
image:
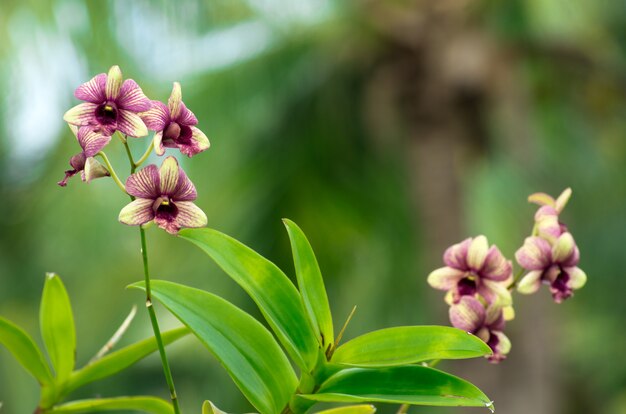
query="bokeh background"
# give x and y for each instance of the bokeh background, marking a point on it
(387, 129)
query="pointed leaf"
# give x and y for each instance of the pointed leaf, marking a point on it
(209, 408)
(409, 344)
(121, 359)
(414, 384)
(24, 349)
(267, 285)
(57, 327)
(141, 404)
(311, 284)
(350, 409)
(245, 348)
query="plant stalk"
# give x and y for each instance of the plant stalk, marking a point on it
(153, 319)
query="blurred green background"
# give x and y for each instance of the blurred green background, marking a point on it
(387, 130)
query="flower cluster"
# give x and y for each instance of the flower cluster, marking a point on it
(479, 279)
(163, 196)
(550, 255)
(476, 278)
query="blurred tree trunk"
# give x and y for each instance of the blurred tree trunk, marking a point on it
(442, 75)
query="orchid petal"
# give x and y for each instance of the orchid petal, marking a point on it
(562, 200)
(190, 215)
(496, 267)
(577, 278)
(468, 314)
(144, 183)
(535, 254)
(197, 142)
(130, 124)
(185, 190)
(159, 149)
(530, 283)
(185, 117)
(91, 141)
(541, 199)
(456, 255)
(502, 348)
(113, 83)
(495, 292)
(93, 169)
(132, 98)
(157, 117)
(169, 175)
(564, 249)
(137, 212)
(93, 91)
(175, 101)
(81, 114)
(477, 252)
(445, 278)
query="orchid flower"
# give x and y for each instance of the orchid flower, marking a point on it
(84, 162)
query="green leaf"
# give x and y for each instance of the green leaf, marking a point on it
(121, 359)
(24, 349)
(57, 327)
(412, 384)
(242, 344)
(350, 409)
(311, 284)
(409, 344)
(142, 404)
(209, 408)
(275, 295)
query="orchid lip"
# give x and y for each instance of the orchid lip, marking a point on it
(107, 113)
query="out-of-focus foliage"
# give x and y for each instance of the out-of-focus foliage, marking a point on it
(386, 129)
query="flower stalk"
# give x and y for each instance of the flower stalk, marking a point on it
(151, 312)
(109, 166)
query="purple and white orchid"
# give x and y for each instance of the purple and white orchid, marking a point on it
(470, 315)
(164, 195)
(474, 269)
(553, 264)
(84, 162)
(111, 105)
(174, 125)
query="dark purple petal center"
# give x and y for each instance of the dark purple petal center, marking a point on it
(165, 209)
(106, 113)
(559, 288)
(172, 132)
(493, 342)
(466, 286)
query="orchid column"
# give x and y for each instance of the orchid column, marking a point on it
(161, 195)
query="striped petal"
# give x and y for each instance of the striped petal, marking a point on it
(477, 253)
(530, 283)
(113, 83)
(197, 142)
(81, 114)
(93, 169)
(175, 101)
(577, 278)
(137, 212)
(132, 98)
(496, 266)
(157, 117)
(92, 91)
(185, 117)
(190, 215)
(445, 278)
(144, 183)
(129, 123)
(564, 250)
(535, 254)
(468, 314)
(456, 255)
(159, 149)
(91, 141)
(185, 190)
(169, 175)
(495, 292)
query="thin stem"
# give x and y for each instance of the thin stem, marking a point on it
(516, 279)
(106, 161)
(153, 319)
(145, 156)
(155, 325)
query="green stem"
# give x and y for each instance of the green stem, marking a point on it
(106, 161)
(145, 156)
(516, 279)
(153, 319)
